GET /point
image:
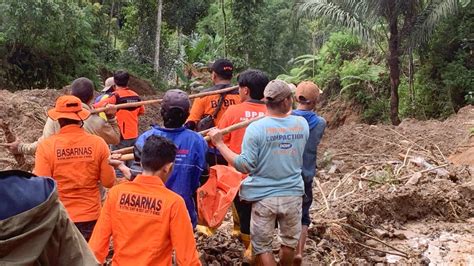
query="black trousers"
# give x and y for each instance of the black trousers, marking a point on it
(244, 210)
(86, 228)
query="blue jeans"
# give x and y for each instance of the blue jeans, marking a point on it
(309, 169)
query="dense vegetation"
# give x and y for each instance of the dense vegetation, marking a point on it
(408, 58)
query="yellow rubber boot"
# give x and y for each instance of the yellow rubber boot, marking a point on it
(248, 258)
(235, 218)
(207, 231)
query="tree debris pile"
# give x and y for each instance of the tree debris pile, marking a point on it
(25, 112)
(376, 179)
(373, 183)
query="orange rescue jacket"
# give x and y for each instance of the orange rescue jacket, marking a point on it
(127, 118)
(147, 222)
(206, 105)
(77, 161)
(236, 114)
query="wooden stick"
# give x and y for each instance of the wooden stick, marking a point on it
(404, 161)
(423, 171)
(127, 157)
(375, 238)
(368, 180)
(234, 127)
(123, 150)
(227, 130)
(192, 96)
(381, 250)
(439, 150)
(19, 158)
(322, 193)
(128, 150)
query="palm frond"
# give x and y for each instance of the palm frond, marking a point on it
(342, 12)
(430, 18)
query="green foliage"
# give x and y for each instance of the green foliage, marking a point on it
(48, 43)
(340, 47)
(459, 80)
(444, 80)
(360, 72)
(184, 14)
(260, 34)
(324, 67)
(45, 43)
(305, 67)
(407, 25)
(341, 68)
(364, 82)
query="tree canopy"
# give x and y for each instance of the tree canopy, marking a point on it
(394, 58)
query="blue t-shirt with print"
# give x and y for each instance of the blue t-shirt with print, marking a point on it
(272, 154)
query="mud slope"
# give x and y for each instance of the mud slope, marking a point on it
(386, 194)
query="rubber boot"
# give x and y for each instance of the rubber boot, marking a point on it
(207, 231)
(235, 217)
(298, 259)
(248, 258)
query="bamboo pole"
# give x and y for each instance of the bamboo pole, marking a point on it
(125, 150)
(227, 130)
(234, 127)
(128, 150)
(192, 96)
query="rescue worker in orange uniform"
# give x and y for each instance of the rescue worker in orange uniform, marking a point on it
(252, 83)
(77, 161)
(146, 220)
(212, 107)
(127, 118)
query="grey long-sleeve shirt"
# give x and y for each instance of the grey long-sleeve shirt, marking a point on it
(94, 124)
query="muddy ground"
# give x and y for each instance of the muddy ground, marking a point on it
(375, 200)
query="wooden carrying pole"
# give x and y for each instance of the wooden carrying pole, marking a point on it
(234, 127)
(127, 150)
(227, 130)
(192, 96)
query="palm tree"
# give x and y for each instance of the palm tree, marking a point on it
(406, 24)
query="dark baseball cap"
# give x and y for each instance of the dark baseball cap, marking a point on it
(223, 67)
(176, 99)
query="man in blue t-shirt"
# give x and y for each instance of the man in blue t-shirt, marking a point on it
(191, 156)
(307, 94)
(272, 155)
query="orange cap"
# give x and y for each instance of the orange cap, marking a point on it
(307, 92)
(69, 107)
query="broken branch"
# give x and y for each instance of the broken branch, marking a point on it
(322, 193)
(19, 158)
(376, 239)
